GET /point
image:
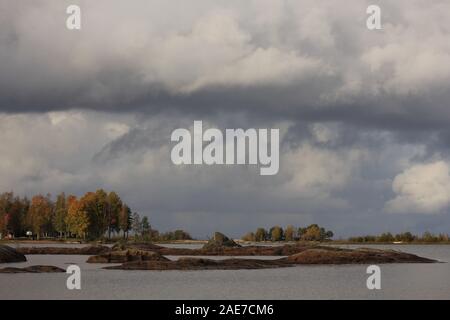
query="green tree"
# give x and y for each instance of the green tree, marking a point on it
(97, 209)
(260, 234)
(276, 233)
(6, 200)
(429, 237)
(404, 237)
(314, 233)
(125, 220)
(328, 235)
(114, 209)
(289, 233)
(250, 236)
(408, 237)
(301, 231)
(386, 237)
(136, 224)
(59, 219)
(146, 227)
(19, 209)
(40, 215)
(181, 235)
(13, 211)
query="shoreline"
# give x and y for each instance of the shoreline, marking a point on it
(194, 242)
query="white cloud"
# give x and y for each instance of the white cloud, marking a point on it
(316, 172)
(423, 188)
(52, 151)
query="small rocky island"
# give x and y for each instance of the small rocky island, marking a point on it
(319, 255)
(149, 256)
(137, 257)
(33, 269)
(8, 254)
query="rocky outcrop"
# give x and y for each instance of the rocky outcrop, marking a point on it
(127, 256)
(327, 255)
(202, 264)
(220, 241)
(284, 250)
(8, 254)
(89, 250)
(138, 246)
(151, 256)
(33, 269)
(315, 255)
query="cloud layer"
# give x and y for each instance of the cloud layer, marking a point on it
(364, 115)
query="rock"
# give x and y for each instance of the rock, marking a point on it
(89, 250)
(8, 254)
(331, 253)
(325, 255)
(138, 246)
(151, 256)
(284, 250)
(202, 264)
(216, 249)
(127, 256)
(94, 250)
(307, 255)
(220, 241)
(33, 269)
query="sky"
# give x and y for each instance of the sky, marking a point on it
(364, 115)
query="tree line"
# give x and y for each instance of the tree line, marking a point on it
(91, 216)
(143, 231)
(311, 233)
(406, 237)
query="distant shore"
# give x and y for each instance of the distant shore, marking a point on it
(73, 241)
(201, 242)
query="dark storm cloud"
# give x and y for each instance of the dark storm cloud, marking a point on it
(303, 60)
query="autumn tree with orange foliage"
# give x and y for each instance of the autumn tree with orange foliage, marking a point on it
(40, 215)
(77, 220)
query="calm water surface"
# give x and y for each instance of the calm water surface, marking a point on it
(398, 281)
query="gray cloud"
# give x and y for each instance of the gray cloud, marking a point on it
(360, 110)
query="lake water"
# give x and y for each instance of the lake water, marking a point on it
(398, 281)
